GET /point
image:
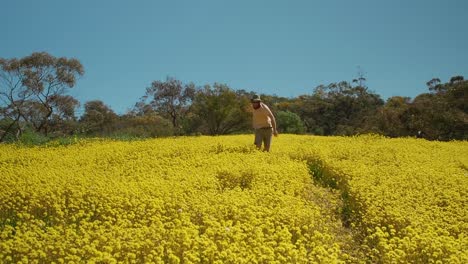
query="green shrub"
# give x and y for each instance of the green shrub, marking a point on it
(30, 137)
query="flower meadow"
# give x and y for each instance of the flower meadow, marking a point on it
(365, 199)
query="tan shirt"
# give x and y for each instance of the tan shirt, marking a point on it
(262, 117)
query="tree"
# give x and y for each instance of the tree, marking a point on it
(219, 110)
(391, 119)
(310, 109)
(457, 93)
(442, 113)
(144, 125)
(340, 109)
(274, 102)
(456, 79)
(38, 80)
(434, 85)
(98, 118)
(63, 121)
(289, 122)
(360, 79)
(13, 95)
(171, 99)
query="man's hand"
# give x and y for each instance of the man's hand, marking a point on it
(275, 133)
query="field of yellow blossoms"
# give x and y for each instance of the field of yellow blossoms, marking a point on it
(365, 199)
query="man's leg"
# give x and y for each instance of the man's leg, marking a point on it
(267, 135)
(258, 138)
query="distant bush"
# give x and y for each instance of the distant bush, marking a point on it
(289, 122)
(143, 127)
(31, 137)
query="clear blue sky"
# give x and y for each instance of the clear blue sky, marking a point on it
(276, 47)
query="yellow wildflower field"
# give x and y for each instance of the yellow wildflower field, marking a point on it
(406, 199)
(219, 200)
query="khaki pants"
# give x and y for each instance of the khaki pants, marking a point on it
(263, 135)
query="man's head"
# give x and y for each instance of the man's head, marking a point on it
(256, 101)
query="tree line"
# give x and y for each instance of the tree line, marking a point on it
(34, 99)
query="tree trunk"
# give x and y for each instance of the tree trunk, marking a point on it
(44, 122)
(2, 137)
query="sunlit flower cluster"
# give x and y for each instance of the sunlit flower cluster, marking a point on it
(219, 200)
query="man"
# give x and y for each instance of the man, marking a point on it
(264, 123)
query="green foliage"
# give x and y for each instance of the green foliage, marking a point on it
(289, 122)
(30, 137)
(171, 107)
(336, 109)
(320, 177)
(143, 126)
(64, 141)
(8, 129)
(219, 110)
(171, 99)
(442, 113)
(98, 119)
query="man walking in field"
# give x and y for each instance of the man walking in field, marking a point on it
(264, 123)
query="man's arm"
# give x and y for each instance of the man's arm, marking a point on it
(273, 120)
